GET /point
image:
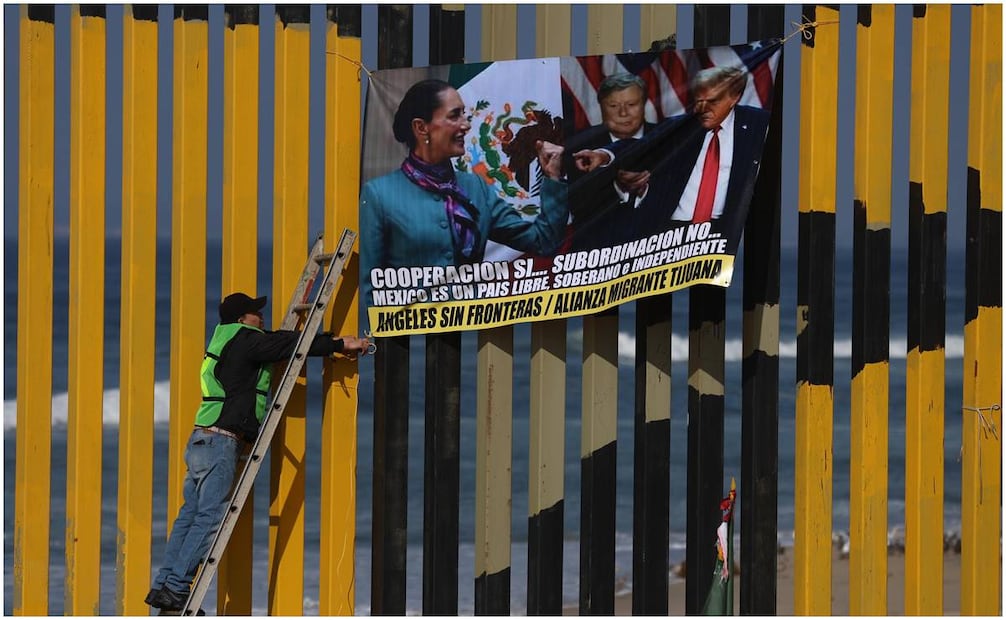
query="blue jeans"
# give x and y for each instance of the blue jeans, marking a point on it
(211, 459)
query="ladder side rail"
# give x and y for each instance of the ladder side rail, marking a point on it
(299, 357)
(252, 466)
(250, 471)
(304, 285)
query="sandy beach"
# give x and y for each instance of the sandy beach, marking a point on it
(839, 588)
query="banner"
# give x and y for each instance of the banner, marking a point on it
(525, 190)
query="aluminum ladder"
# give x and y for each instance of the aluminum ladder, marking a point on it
(315, 310)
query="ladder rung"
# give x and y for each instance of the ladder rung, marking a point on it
(303, 307)
(322, 259)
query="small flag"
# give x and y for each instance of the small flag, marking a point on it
(720, 601)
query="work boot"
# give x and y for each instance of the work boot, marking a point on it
(169, 600)
(152, 596)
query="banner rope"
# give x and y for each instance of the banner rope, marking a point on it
(986, 428)
(359, 65)
(803, 28)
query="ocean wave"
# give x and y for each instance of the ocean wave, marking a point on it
(733, 352)
(109, 407)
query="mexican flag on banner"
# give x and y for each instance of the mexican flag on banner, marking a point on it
(720, 601)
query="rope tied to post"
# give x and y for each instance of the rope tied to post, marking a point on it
(803, 28)
(352, 61)
(986, 428)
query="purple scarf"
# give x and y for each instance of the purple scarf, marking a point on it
(461, 213)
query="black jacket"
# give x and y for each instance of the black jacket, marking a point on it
(238, 369)
(599, 216)
(677, 143)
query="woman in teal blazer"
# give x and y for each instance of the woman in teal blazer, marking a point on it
(427, 214)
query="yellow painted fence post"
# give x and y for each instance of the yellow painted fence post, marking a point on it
(341, 377)
(982, 435)
(34, 310)
(290, 209)
(138, 308)
(87, 309)
(188, 236)
(546, 418)
(871, 314)
(494, 409)
(239, 269)
(926, 364)
(814, 461)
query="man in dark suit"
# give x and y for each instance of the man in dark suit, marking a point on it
(709, 158)
(597, 203)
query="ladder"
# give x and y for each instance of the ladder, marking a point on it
(315, 313)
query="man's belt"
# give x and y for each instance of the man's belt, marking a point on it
(221, 431)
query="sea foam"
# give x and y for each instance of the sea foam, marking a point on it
(110, 407)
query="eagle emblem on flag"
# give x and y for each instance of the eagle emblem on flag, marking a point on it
(502, 151)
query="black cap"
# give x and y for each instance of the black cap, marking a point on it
(236, 305)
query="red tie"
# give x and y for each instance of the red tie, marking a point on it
(707, 186)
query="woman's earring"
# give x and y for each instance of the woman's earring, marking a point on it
(427, 139)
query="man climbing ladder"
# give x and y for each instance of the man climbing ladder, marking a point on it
(235, 376)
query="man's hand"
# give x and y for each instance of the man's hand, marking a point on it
(633, 182)
(550, 158)
(353, 346)
(591, 159)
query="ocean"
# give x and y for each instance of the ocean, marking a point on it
(787, 373)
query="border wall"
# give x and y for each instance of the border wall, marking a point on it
(293, 143)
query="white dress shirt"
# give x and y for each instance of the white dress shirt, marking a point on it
(624, 196)
(686, 204)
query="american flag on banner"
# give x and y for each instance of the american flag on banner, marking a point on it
(667, 75)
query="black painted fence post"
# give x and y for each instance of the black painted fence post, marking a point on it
(760, 378)
(391, 397)
(441, 488)
(706, 327)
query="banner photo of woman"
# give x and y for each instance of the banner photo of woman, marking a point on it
(526, 190)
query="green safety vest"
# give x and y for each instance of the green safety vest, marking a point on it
(213, 392)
